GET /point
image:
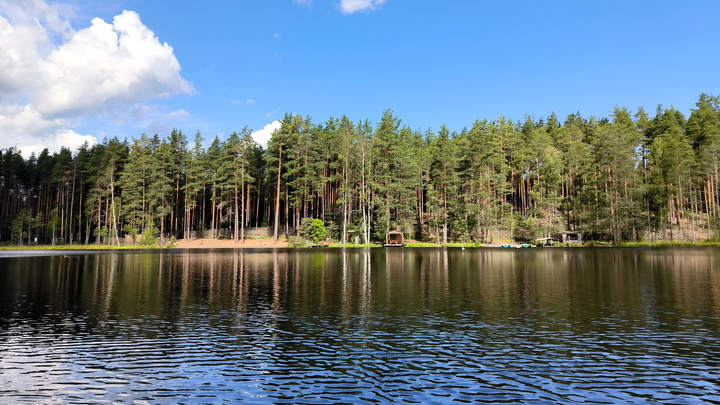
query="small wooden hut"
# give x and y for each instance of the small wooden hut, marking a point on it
(394, 239)
(572, 237)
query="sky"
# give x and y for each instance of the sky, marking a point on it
(74, 71)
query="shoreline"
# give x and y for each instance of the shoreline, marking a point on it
(267, 243)
(211, 243)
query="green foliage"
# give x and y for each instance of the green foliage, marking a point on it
(102, 233)
(18, 227)
(149, 236)
(312, 229)
(526, 229)
(627, 177)
(298, 241)
(132, 231)
(332, 231)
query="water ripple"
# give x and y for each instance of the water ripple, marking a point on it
(261, 342)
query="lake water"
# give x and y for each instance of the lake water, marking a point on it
(398, 325)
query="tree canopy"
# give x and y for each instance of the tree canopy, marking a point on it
(625, 177)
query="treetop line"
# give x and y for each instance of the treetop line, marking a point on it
(626, 177)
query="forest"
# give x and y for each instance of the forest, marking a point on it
(628, 177)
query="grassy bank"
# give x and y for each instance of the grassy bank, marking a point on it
(370, 245)
(82, 247)
(704, 243)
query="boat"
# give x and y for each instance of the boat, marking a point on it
(524, 245)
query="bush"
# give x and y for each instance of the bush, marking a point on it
(312, 229)
(526, 229)
(149, 236)
(298, 241)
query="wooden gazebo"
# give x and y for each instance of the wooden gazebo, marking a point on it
(394, 239)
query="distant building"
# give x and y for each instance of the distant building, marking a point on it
(572, 237)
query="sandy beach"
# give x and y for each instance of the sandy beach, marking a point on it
(230, 244)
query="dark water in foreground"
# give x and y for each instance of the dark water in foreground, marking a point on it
(362, 326)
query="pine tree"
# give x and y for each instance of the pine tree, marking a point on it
(279, 149)
(672, 161)
(195, 183)
(234, 177)
(160, 203)
(483, 169)
(134, 183)
(443, 179)
(703, 130)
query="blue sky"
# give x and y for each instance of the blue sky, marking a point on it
(229, 64)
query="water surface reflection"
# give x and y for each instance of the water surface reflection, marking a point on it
(360, 325)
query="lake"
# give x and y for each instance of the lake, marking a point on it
(396, 325)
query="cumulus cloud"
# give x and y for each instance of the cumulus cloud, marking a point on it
(61, 138)
(53, 78)
(263, 136)
(353, 6)
(122, 61)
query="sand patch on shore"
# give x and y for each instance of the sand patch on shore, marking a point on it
(230, 244)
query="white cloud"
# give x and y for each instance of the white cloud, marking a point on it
(62, 138)
(47, 17)
(20, 49)
(353, 6)
(249, 101)
(119, 62)
(53, 78)
(26, 129)
(18, 122)
(179, 114)
(72, 140)
(263, 136)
